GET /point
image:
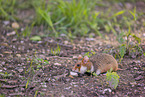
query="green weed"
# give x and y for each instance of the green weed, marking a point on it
(27, 31)
(130, 45)
(2, 95)
(7, 9)
(89, 54)
(112, 78)
(5, 75)
(62, 16)
(27, 83)
(40, 63)
(36, 92)
(134, 13)
(56, 51)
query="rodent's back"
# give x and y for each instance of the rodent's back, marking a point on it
(104, 62)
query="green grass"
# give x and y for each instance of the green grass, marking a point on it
(62, 16)
(7, 9)
(56, 51)
(80, 17)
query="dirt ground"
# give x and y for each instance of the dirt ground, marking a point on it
(52, 79)
(22, 73)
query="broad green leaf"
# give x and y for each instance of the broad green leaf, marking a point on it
(35, 38)
(113, 79)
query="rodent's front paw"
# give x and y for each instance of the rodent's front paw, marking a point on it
(80, 74)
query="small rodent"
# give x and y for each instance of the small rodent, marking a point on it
(99, 62)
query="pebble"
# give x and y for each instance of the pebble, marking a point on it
(57, 64)
(67, 80)
(133, 83)
(20, 70)
(144, 34)
(107, 90)
(75, 85)
(62, 95)
(11, 33)
(3, 63)
(18, 55)
(135, 68)
(75, 57)
(67, 88)
(44, 86)
(139, 77)
(22, 89)
(6, 22)
(15, 25)
(65, 42)
(62, 35)
(82, 82)
(90, 39)
(44, 90)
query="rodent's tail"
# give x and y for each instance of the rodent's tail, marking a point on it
(119, 69)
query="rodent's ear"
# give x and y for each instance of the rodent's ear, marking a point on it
(86, 59)
(80, 57)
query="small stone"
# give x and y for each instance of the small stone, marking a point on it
(90, 39)
(133, 83)
(11, 33)
(62, 35)
(39, 42)
(18, 55)
(135, 68)
(75, 85)
(139, 78)
(15, 25)
(107, 90)
(22, 89)
(128, 5)
(75, 57)
(62, 95)
(3, 63)
(68, 88)
(44, 86)
(67, 80)
(57, 64)
(20, 70)
(143, 34)
(6, 22)
(82, 82)
(44, 90)
(65, 42)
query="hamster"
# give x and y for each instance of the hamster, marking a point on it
(98, 63)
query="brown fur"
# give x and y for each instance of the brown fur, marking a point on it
(102, 61)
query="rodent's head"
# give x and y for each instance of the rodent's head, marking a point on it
(81, 62)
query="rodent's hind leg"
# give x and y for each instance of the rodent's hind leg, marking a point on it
(88, 73)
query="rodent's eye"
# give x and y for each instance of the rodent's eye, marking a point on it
(78, 65)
